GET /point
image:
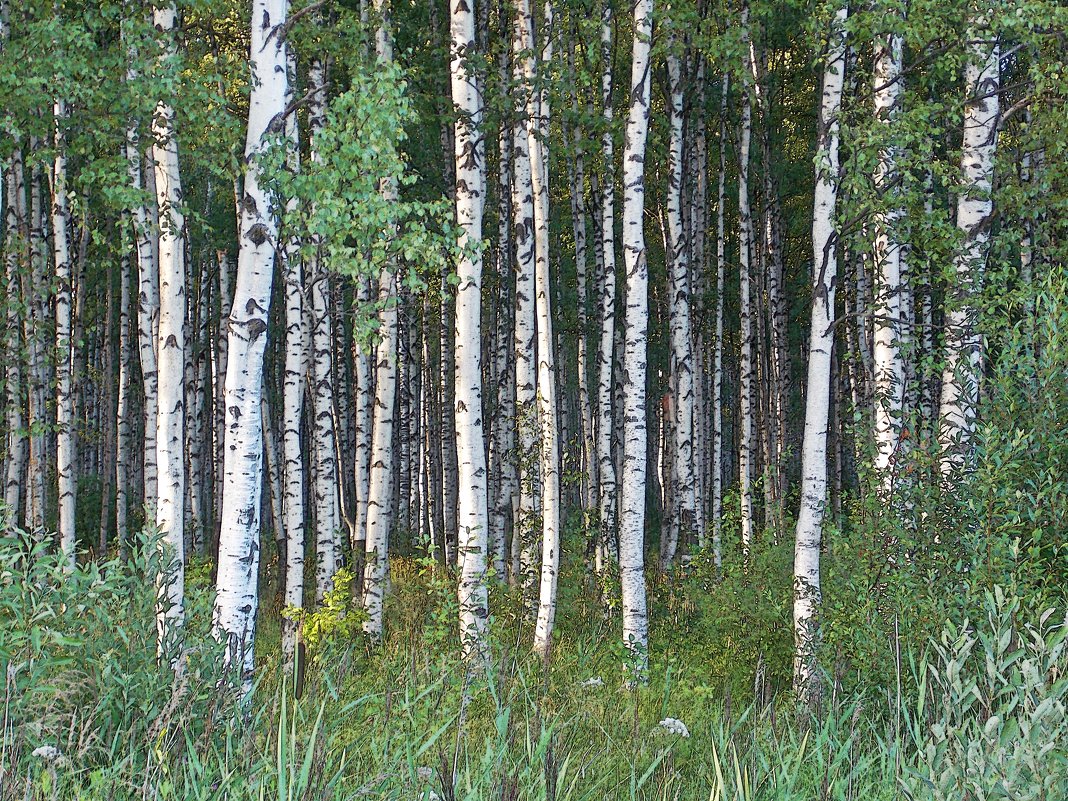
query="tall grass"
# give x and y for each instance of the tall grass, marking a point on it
(89, 712)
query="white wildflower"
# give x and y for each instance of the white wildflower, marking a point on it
(674, 726)
(49, 753)
(595, 681)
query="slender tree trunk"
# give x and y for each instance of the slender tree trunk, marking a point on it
(888, 263)
(717, 368)
(817, 402)
(170, 355)
(14, 245)
(379, 505)
(963, 360)
(525, 315)
(324, 435)
(239, 547)
(295, 370)
(36, 289)
(470, 183)
(683, 509)
(548, 422)
(632, 513)
(606, 469)
(746, 450)
(65, 435)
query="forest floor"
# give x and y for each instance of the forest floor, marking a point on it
(90, 713)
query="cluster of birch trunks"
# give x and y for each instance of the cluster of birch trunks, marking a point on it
(226, 393)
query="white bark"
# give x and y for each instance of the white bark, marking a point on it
(470, 439)
(717, 366)
(548, 425)
(817, 401)
(170, 356)
(65, 437)
(683, 509)
(632, 502)
(294, 374)
(745, 365)
(606, 468)
(14, 183)
(380, 497)
(37, 421)
(324, 435)
(239, 547)
(963, 360)
(888, 257)
(526, 380)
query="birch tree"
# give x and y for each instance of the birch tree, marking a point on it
(237, 598)
(606, 469)
(380, 498)
(65, 436)
(963, 357)
(548, 425)
(170, 351)
(683, 511)
(470, 440)
(745, 246)
(888, 257)
(807, 595)
(636, 325)
(717, 363)
(525, 316)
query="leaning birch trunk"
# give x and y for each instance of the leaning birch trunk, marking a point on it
(525, 325)
(683, 510)
(717, 367)
(888, 258)
(548, 424)
(817, 401)
(606, 468)
(234, 618)
(636, 325)
(472, 515)
(170, 360)
(380, 491)
(65, 454)
(745, 364)
(963, 360)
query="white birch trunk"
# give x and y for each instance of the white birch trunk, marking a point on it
(472, 514)
(37, 422)
(635, 438)
(14, 183)
(888, 258)
(65, 436)
(817, 402)
(963, 358)
(745, 366)
(380, 497)
(122, 409)
(683, 509)
(170, 364)
(295, 369)
(526, 381)
(548, 424)
(606, 468)
(717, 365)
(239, 547)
